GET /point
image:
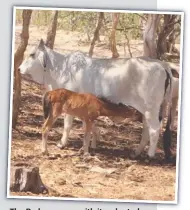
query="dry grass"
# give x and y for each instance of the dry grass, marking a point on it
(115, 175)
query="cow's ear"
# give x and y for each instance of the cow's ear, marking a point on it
(41, 45)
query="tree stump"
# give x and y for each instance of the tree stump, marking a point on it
(26, 180)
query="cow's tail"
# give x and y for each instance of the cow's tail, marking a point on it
(167, 135)
(47, 106)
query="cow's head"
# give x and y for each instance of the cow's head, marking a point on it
(34, 63)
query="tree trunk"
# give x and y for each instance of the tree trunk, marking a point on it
(150, 48)
(18, 57)
(115, 54)
(26, 180)
(96, 32)
(171, 42)
(165, 31)
(52, 30)
(128, 45)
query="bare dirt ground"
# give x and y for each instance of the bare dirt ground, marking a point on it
(115, 175)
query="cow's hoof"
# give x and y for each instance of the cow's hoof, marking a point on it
(168, 159)
(93, 151)
(151, 153)
(133, 155)
(150, 160)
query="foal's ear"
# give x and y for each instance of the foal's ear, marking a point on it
(41, 45)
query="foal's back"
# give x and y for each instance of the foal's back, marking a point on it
(82, 105)
(87, 106)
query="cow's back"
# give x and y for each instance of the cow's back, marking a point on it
(138, 82)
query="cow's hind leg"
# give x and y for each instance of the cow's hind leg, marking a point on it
(173, 111)
(144, 139)
(68, 121)
(153, 123)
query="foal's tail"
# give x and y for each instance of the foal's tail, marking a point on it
(47, 106)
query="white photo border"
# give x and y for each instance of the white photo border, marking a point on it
(179, 104)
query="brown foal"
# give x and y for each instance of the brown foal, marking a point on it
(85, 106)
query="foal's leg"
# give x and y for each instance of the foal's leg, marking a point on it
(86, 142)
(82, 148)
(45, 129)
(96, 135)
(68, 120)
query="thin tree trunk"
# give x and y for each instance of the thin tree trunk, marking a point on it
(166, 29)
(150, 48)
(115, 53)
(52, 30)
(128, 45)
(96, 33)
(18, 57)
(171, 42)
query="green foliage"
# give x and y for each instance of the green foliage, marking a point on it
(18, 16)
(76, 21)
(129, 25)
(41, 18)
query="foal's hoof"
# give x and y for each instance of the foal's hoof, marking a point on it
(87, 156)
(45, 153)
(60, 146)
(81, 151)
